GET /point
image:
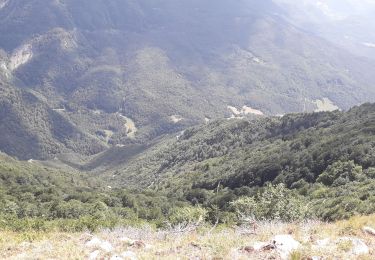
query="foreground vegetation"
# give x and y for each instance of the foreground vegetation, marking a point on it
(315, 239)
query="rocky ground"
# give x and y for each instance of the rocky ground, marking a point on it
(351, 239)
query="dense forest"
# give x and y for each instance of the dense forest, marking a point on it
(318, 165)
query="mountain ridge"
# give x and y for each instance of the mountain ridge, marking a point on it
(153, 62)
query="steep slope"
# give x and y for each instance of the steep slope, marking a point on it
(30, 129)
(147, 63)
(321, 165)
(34, 196)
(328, 157)
(236, 153)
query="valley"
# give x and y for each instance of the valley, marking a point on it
(193, 129)
(151, 69)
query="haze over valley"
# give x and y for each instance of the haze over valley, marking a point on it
(183, 115)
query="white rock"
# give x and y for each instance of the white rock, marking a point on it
(94, 255)
(21, 56)
(127, 240)
(129, 255)
(176, 118)
(359, 247)
(106, 246)
(93, 242)
(323, 242)
(369, 230)
(285, 244)
(148, 247)
(246, 110)
(116, 257)
(325, 105)
(96, 242)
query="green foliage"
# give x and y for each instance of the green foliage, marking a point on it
(215, 164)
(311, 165)
(341, 173)
(274, 202)
(188, 215)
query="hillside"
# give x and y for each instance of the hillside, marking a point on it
(326, 159)
(30, 129)
(187, 129)
(126, 72)
(313, 153)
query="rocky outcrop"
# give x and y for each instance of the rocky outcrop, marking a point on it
(285, 245)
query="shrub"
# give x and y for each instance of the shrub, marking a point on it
(340, 173)
(188, 215)
(275, 202)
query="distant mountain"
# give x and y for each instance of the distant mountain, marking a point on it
(122, 72)
(346, 23)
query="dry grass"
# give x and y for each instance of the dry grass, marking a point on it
(204, 243)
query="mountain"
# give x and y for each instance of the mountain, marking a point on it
(242, 152)
(32, 129)
(124, 72)
(316, 165)
(331, 153)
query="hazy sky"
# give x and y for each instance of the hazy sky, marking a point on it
(335, 9)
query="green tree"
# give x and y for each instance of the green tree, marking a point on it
(340, 173)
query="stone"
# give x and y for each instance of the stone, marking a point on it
(127, 240)
(285, 245)
(247, 249)
(323, 242)
(94, 255)
(129, 255)
(369, 230)
(359, 247)
(106, 246)
(96, 242)
(93, 242)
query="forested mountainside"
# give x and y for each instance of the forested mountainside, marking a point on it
(319, 165)
(32, 129)
(239, 152)
(123, 72)
(321, 154)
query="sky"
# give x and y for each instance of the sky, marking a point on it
(335, 9)
(349, 23)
